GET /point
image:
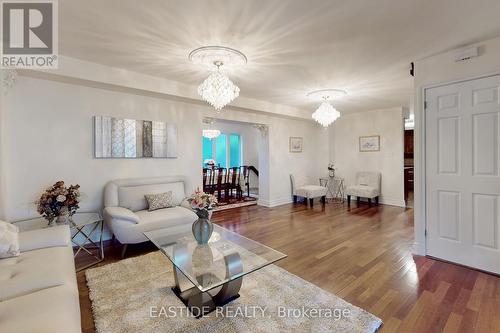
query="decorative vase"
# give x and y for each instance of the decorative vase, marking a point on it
(52, 221)
(202, 230)
(62, 219)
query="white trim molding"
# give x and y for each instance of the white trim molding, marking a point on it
(275, 202)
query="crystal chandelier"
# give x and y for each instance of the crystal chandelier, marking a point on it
(210, 133)
(326, 114)
(217, 89)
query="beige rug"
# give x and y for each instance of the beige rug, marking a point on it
(134, 295)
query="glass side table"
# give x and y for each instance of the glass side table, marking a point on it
(83, 227)
(335, 188)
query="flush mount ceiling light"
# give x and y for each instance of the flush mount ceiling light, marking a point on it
(326, 114)
(210, 133)
(218, 90)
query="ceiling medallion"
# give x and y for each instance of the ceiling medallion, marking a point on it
(326, 114)
(217, 89)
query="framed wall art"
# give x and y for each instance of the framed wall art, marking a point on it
(369, 143)
(295, 144)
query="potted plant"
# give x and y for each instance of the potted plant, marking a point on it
(59, 202)
(202, 204)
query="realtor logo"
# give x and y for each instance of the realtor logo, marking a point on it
(29, 34)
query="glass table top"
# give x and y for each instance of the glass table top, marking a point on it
(209, 266)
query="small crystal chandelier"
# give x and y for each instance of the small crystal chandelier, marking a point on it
(217, 89)
(326, 114)
(210, 133)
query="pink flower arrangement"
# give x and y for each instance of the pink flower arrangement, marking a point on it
(202, 203)
(59, 200)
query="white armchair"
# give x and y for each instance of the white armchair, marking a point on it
(305, 187)
(367, 185)
(126, 211)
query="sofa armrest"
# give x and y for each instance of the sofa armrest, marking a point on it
(122, 214)
(185, 203)
(42, 238)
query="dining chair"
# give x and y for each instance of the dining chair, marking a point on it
(221, 174)
(208, 180)
(233, 181)
(245, 177)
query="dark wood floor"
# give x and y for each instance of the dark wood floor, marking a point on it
(364, 256)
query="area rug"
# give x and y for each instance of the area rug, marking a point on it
(134, 295)
(243, 203)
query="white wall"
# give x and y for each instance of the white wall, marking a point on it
(2, 157)
(49, 137)
(387, 123)
(435, 70)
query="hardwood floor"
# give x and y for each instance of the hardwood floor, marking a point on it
(362, 255)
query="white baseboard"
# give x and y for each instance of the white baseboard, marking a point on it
(284, 201)
(386, 201)
(274, 203)
(392, 202)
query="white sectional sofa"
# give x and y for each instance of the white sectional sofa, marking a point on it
(38, 289)
(126, 211)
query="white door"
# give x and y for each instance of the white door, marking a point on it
(463, 173)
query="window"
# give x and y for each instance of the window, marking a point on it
(225, 150)
(207, 149)
(234, 151)
(221, 151)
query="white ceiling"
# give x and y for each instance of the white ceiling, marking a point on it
(293, 46)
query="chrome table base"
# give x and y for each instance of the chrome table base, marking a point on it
(201, 303)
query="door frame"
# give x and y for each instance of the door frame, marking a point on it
(420, 198)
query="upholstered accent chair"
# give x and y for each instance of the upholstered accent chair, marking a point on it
(307, 188)
(367, 185)
(126, 210)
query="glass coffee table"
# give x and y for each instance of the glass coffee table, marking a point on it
(208, 276)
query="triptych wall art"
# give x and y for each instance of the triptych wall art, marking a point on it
(129, 138)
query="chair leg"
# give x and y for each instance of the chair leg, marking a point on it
(369, 202)
(323, 200)
(311, 202)
(348, 201)
(358, 200)
(124, 249)
(376, 201)
(294, 199)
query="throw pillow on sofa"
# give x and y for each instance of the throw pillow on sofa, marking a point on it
(159, 201)
(9, 240)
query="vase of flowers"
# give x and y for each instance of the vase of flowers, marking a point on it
(59, 202)
(202, 204)
(331, 170)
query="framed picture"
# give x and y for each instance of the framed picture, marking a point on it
(295, 144)
(369, 143)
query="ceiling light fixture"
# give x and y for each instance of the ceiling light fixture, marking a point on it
(326, 114)
(217, 89)
(210, 133)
